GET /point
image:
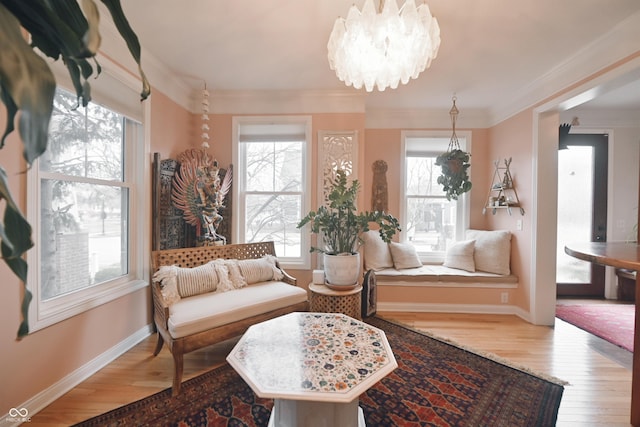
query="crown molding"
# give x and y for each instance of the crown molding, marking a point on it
(620, 43)
(159, 75)
(424, 119)
(280, 102)
(617, 45)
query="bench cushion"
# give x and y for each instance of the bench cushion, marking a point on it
(439, 273)
(206, 311)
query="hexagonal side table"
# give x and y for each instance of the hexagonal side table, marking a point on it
(326, 300)
(315, 365)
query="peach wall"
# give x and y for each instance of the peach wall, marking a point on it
(35, 363)
(173, 129)
(383, 144)
(514, 138)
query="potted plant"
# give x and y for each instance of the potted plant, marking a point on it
(64, 30)
(339, 227)
(454, 178)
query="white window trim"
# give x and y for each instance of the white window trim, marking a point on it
(46, 313)
(304, 262)
(464, 208)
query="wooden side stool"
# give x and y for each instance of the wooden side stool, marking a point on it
(325, 300)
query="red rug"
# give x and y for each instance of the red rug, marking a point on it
(435, 384)
(611, 322)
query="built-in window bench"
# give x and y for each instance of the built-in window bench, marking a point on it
(474, 277)
(435, 288)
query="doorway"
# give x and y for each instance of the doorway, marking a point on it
(582, 211)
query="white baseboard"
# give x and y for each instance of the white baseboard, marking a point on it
(38, 402)
(453, 308)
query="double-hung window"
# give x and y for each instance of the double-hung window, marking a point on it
(430, 221)
(272, 184)
(86, 202)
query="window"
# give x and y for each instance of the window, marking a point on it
(430, 221)
(85, 205)
(273, 184)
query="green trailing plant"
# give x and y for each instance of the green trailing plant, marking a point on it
(455, 178)
(60, 29)
(454, 163)
(339, 225)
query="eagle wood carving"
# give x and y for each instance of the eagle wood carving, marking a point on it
(199, 192)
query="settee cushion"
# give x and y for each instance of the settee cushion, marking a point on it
(376, 252)
(206, 311)
(460, 255)
(492, 250)
(404, 255)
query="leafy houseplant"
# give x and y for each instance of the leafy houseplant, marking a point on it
(58, 29)
(340, 227)
(454, 179)
(338, 223)
(454, 163)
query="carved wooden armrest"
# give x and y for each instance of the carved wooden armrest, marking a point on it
(160, 306)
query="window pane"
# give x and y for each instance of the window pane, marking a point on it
(422, 177)
(430, 223)
(83, 235)
(274, 166)
(274, 217)
(84, 142)
(575, 213)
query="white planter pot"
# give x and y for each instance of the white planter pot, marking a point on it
(342, 271)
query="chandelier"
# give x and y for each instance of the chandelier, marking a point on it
(383, 49)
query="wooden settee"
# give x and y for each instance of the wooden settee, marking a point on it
(253, 303)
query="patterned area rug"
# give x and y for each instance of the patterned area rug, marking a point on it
(611, 322)
(435, 384)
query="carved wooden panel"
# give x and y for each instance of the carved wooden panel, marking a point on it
(336, 150)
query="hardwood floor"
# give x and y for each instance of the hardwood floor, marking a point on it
(599, 392)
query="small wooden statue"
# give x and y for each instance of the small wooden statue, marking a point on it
(379, 189)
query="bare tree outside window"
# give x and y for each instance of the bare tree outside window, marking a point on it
(430, 216)
(273, 194)
(84, 198)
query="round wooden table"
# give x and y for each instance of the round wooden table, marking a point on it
(621, 255)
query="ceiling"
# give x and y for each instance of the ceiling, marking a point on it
(492, 53)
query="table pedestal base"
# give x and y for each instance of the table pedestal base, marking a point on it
(304, 413)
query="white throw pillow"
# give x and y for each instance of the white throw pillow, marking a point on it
(493, 250)
(222, 270)
(235, 275)
(167, 277)
(377, 255)
(460, 255)
(404, 256)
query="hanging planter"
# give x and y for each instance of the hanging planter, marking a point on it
(454, 164)
(454, 178)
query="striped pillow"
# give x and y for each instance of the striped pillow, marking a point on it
(196, 280)
(260, 270)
